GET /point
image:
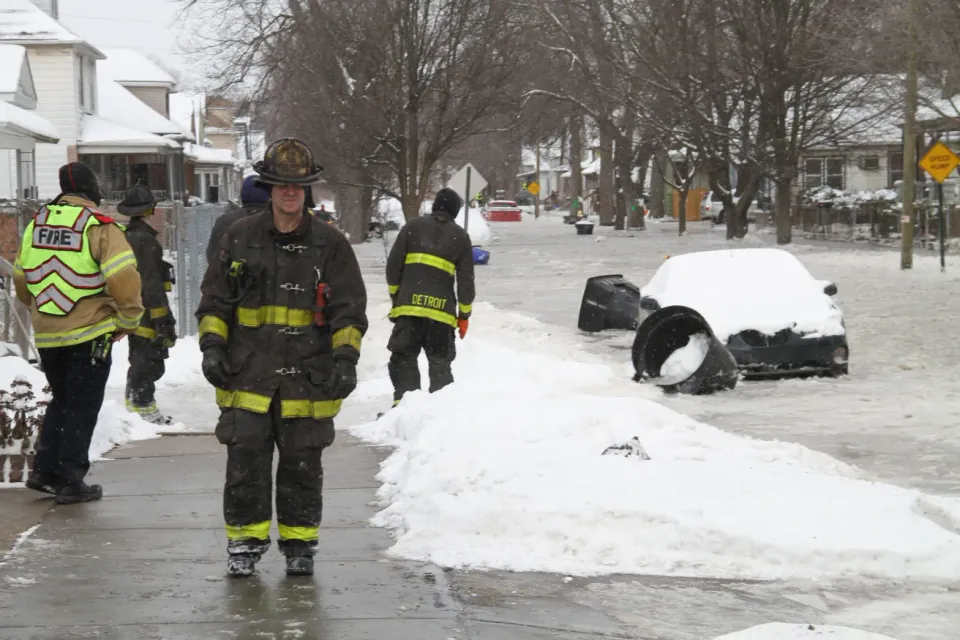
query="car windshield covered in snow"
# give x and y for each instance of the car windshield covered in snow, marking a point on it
(766, 290)
(503, 204)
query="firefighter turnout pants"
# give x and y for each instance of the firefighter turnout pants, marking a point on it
(146, 368)
(77, 383)
(410, 335)
(247, 497)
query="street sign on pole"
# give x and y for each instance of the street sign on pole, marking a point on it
(940, 161)
(459, 182)
(534, 188)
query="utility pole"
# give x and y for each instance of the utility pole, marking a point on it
(909, 142)
(536, 198)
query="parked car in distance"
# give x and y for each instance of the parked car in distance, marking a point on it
(763, 304)
(711, 208)
(503, 211)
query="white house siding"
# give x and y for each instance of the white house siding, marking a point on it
(55, 75)
(153, 97)
(855, 178)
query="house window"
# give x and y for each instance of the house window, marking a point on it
(819, 172)
(86, 84)
(895, 162)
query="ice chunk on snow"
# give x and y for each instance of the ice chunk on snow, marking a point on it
(685, 361)
(783, 631)
(501, 471)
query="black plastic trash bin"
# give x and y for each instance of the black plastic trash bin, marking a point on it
(584, 228)
(609, 302)
(670, 329)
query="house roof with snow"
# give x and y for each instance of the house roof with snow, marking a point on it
(208, 155)
(102, 135)
(22, 22)
(16, 78)
(22, 123)
(131, 68)
(121, 106)
(184, 108)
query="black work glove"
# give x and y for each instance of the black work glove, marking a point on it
(346, 377)
(166, 335)
(215, 367)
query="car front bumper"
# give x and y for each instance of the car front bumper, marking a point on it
(768, 356)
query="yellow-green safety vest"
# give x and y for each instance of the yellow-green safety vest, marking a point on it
(56, 260)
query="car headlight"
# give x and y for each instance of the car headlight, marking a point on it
(840, 355)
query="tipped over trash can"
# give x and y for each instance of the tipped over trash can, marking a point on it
(676, 349)
(480, 256)
(609, 302)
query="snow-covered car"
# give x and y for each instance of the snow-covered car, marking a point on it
(763, 304)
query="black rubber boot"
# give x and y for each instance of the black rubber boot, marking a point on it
(299, 555)
(244, 555)
(299, 565)
(43, 483)
(75, 493)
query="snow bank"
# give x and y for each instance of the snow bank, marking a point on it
(479, 228)
(782, 631)
(735, 290)
(502, 470)
(114, 426)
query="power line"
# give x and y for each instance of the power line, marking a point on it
(68, 17)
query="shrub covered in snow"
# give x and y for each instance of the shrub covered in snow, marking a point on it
(839, 198)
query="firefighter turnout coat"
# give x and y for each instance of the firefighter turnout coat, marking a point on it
(429, 254)
(258, 301)
(78, 275)
(143, 241)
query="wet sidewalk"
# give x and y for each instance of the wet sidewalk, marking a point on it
(148, 561)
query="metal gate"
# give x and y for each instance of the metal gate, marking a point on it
(188, 233)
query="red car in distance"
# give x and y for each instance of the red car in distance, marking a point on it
(503, 211)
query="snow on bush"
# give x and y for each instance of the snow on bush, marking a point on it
(503, 470)
(839, 198)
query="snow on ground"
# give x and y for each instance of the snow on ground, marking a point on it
(182, 393)
(114, 427)
(783, 631)
(503, 470)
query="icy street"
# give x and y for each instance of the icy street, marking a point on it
(824, 502)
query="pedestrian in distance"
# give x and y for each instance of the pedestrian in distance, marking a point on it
(431, 285)
(282, 316)
(78, 275)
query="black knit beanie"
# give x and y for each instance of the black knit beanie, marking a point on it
(78, 178)
(448, 201)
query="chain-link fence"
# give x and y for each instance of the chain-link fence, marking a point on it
(186, 235)
(877, 222)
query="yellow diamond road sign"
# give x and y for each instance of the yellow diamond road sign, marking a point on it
(533, 188)
(939, 162)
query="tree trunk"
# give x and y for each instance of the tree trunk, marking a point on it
(606, 199)
(682, 214)
(784, 229)
(658, 188)
(644, 154)
(411, 205)
(576, 160)
(351, 212)
(367, 205)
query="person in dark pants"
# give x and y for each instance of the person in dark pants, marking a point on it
(77, 273)
(431, 254)
(151, 343)
(282, 316)
(253, 199)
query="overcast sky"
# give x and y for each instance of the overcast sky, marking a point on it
(149, 26)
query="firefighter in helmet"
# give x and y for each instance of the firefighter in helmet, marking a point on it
(150, 344)
(282, 315)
